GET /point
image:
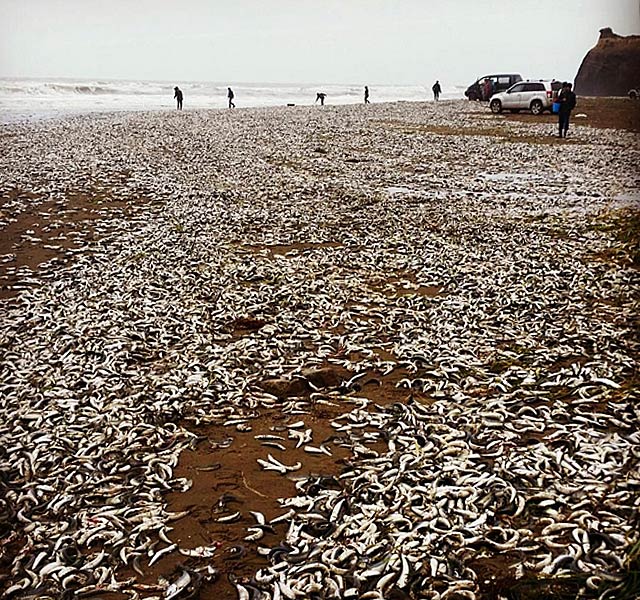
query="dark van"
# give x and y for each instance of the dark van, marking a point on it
(500, 83)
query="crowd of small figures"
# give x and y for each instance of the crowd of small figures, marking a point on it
(514, 435)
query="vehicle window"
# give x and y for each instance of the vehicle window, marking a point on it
(504, 80)
(517, 88)
(534, 87)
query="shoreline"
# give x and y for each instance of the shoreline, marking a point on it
(603, 112)
(400, 274)
(62, 115)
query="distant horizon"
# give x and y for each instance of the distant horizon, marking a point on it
(175, 81)
(227, 83)
(284, 42)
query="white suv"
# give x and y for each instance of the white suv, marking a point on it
(536, 96)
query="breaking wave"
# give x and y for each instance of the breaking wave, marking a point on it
(22, 98)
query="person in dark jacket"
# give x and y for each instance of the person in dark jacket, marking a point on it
(366, 94)
(437, 90)
(178, 97)
(487, 89)
(230, 96)
(320, 96)
(567, 101)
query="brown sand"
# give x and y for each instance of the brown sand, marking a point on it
(51, 230)
(602, 113)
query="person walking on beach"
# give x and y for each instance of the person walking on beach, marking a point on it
(230, 96)
(320, 96)
(437, 90)
(366, 94)
(567, 101)
(178, 97)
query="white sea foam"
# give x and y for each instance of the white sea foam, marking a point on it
(29, 99)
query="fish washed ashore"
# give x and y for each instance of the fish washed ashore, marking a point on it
(343, 352)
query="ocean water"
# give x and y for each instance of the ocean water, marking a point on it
(33, 99)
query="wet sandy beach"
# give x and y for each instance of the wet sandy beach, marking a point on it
(422, 292)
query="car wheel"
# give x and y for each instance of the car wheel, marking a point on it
(496, 106)
(633, 94)
(536, 107)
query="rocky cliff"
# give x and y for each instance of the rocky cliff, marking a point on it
(612, 67)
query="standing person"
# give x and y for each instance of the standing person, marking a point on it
(320, 96)
(366, 94)
(437, 90)
(178, 97)
(567, 101)
(230, 96)
(487, 89)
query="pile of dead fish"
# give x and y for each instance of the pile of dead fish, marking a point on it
(552, 491)
(326, 226)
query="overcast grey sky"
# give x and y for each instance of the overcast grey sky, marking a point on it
(288, 41)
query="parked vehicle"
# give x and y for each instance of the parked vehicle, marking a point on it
(536, 96)
(500, 83)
